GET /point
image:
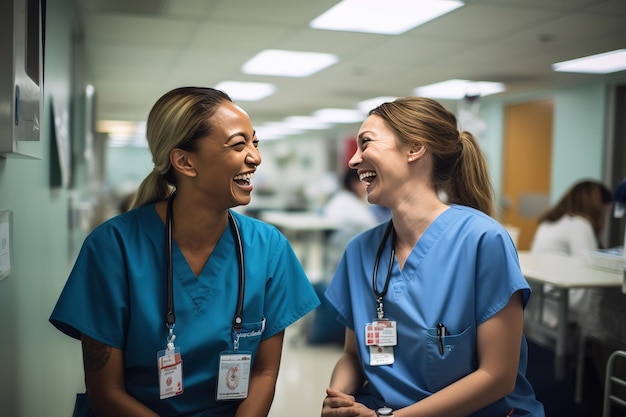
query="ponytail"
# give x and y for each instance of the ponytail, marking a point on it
(470, 184)
(152, 189)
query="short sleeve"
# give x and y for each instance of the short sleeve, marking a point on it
(289, 293)
(498, 274)
(94, 299)
(338, 293)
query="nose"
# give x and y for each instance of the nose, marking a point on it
(355, 160)
(254, 157)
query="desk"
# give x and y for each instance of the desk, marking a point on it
(563, 272)
(306, 231)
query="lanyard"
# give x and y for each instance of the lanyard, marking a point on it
(170, 317)
(380, 295)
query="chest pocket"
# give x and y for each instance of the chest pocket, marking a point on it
(249, 336)
(458, 358)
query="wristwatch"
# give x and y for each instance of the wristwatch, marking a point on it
(385, 412)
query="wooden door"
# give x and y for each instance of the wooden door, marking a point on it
(527, 166)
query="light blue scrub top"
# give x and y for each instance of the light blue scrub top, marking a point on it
(462, 271)
(116, 294)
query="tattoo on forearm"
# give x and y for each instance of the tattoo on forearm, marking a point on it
(95, 354)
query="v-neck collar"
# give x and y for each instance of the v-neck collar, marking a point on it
(431, 235)
(199, 288)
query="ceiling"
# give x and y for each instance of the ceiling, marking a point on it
(137, 50)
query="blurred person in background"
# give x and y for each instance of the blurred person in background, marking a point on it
(432, 301)
(571, 227)
(182, 278)
(575, 222)
(349, 207)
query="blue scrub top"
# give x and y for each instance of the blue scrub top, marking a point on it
(116, 294)
(462, 271)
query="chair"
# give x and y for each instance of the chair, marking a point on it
(609, 396)
(603, 323)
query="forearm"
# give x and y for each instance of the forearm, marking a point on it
(347, 376)
(467, 395)
(119, 404)
(260, 396)
(104, 378)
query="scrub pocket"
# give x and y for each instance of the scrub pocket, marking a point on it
(457, 361)
(250, 336)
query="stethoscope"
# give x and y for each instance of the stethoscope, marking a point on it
(381, 294)
(170, 317)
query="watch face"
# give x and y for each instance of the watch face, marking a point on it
(384, 411)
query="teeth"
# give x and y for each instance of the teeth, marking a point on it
(367, 175)
(245, 177)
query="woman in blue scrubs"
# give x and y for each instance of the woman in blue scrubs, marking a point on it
(433, 300)
(181, 303)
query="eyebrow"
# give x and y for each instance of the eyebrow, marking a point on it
(234, 135)
(360, 136)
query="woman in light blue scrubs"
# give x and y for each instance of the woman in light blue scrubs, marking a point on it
(181, 303)
(432, 300)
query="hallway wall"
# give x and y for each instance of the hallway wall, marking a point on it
(41, 369)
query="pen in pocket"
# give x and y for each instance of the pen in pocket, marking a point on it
(441, 332)
(510, 413)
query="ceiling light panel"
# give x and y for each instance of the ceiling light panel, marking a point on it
(457, 89)
(288, 63)
(332, 115)
(604, 63)
(246, 91)
(366, 105)
(389, 17)
(305, 123)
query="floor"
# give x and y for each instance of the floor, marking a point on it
(306, 369)
(304, 375)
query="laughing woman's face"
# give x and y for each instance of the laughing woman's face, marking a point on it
(227, 159)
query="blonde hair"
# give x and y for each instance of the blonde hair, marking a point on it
(177, 120)
(459, 166)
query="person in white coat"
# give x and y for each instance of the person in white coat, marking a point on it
(349, 207)
(571, 227)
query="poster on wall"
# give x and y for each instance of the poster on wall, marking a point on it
(6, 239)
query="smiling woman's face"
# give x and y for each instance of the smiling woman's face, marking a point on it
(227, 159)
(378, 160)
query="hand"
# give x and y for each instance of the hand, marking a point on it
(339, 404)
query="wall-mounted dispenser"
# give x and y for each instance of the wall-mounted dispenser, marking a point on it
(21, 77)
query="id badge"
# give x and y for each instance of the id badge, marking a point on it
(233, 375)
(170, 365)
(381, 355)
(381, 333)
